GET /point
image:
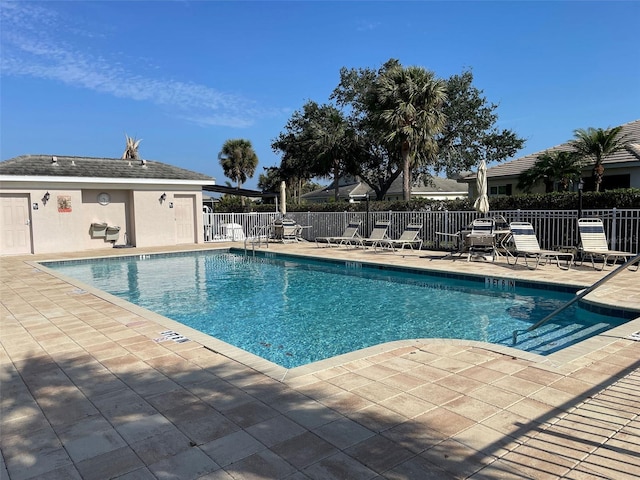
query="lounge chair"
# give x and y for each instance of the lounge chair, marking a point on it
(527, 246)
(594, 243)
(378, 233)
(349, 235)
(482, 240)
(408, 238)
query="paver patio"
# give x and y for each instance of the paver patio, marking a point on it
(87, 393)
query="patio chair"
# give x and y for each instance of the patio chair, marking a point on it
(349, 235)
(379, 232)
(291, 231)
(482, 240)
(408, 238)
(527, 246)
(594, 243)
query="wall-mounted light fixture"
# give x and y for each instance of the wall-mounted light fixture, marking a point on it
(163, 197)
(46, 198)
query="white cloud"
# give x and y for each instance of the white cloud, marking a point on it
(33, 46)
(366, 25)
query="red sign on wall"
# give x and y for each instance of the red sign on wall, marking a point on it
(64, 203)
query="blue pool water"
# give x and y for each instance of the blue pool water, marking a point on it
(294, 311)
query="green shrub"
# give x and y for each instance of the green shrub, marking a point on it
(623, 198)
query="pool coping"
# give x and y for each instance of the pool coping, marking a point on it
(552, 361)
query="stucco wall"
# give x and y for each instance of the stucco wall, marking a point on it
(156, 220)
(63, 223)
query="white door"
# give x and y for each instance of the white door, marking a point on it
(184, 207)
(15, 237)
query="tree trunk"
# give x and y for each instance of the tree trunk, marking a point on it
(241, 197)
(336, 173)
(406, 172)
(598, 173)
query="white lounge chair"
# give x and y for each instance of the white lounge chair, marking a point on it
(349, 235)
(408, 238)
(594, 243)
(378, 233)
(527, 246)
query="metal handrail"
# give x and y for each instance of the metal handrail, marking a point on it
(580, 295)
(260, 231)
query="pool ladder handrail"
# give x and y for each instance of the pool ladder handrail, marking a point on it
(581, 294)
(261, 233)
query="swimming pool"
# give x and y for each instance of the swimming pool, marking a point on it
(293, 311)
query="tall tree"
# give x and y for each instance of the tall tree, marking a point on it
(377, 161)
(318, 142)
(297, 165)
(552, 168)
(238, 161)
(270, 180)
(469, 134)
(332, 140)
(597, 144)
(411, 102)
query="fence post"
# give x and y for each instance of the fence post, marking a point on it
(613, 228)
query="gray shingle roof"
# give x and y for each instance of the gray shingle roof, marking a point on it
(519, 165)
(437, 184)
(433, 185)
(61, 166)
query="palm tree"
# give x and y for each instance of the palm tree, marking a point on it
(238, 161)
(131, 150)
(411, 109)
(331, 139)
(597, 144)
(560, 166)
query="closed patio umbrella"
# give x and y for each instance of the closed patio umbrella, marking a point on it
(283, 198)
(482, 202)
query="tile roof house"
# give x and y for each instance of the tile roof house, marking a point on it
(622, 169)
(350, 188)
(53, 203)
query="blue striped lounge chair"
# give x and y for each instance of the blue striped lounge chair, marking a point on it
(594, 243)
(527, 246)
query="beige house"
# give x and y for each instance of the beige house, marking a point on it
(56, 204)
(437, 188)
(622, 169)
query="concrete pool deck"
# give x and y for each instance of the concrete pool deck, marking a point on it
(87, 391)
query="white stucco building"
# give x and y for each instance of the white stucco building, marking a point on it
(62, 204)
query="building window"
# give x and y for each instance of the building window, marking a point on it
(504, 190)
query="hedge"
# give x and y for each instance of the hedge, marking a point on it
(623, 198)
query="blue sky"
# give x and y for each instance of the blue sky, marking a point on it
(185, 76)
